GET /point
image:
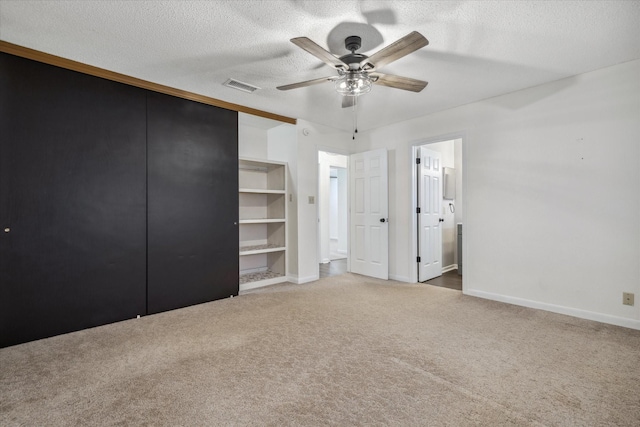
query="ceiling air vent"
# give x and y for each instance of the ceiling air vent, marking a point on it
(245, 87)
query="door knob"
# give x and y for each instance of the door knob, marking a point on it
(382, 220)
(441, 220)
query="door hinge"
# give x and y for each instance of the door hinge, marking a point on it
(417, 210)
(417, 160)
(418, 260)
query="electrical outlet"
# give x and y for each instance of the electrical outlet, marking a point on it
(627, 298)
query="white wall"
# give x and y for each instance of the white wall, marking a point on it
(326, 139)
(343, 213)
(282, 146)
(542, 167)
(252, 142)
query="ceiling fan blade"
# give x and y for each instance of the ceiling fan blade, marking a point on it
(398, 82)
(396, 50)
(348, 101)
(308, 83)
(319, 52)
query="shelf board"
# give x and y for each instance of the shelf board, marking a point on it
(261, 249)
(260, 191)
(257, 280)
(260, 221)
(260, 165)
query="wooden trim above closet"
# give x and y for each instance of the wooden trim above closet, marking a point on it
(69, 64)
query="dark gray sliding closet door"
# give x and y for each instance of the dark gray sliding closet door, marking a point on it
(72, 201)
(192, 203)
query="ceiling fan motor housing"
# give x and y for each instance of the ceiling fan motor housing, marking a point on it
(353, 43)
(353, 59)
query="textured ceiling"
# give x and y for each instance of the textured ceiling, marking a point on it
(477, 49)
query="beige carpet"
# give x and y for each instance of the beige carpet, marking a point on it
(342, 351)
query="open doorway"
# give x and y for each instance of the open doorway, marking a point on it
(332, 213)
(438, 205)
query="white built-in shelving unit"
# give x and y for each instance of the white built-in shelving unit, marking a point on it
(263, 222)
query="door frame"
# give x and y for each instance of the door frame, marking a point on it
(414, 201)
(347, 154)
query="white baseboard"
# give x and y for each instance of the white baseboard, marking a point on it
(300, 280)
(399, 278)
(582, 314)
(449, 268)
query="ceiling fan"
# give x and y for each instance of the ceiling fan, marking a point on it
(358, 72)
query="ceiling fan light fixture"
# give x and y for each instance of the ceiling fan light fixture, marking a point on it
(353, 83)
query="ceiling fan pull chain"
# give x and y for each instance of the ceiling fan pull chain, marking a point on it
(355, 116)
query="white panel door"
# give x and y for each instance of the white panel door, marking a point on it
(369, 217)
(430, 216)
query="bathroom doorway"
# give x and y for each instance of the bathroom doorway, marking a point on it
(437, 224)
(332, 213)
